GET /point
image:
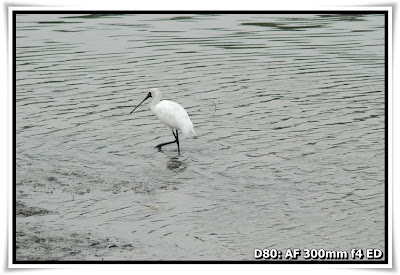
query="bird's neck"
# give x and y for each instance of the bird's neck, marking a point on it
(155, 101)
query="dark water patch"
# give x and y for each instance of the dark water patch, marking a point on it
(94, 16)
(281, 26)
(181, 18)
(58, 22)
(25, 211)
(126, 25)
(68, 31)
(56, 245)
(344, 17)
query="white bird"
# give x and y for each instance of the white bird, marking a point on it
(171, 114)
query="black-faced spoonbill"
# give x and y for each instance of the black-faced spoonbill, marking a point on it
(171, 114)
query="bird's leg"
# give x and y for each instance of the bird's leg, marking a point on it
(177, 141)
(162, 144)
(166, 143)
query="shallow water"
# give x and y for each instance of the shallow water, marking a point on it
(288, 109)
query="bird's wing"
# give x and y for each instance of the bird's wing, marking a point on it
(169, 113)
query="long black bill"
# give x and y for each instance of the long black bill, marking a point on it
(148, 95)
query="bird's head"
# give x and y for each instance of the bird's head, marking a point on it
(154, 92)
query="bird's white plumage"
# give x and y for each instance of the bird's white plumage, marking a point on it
(171, 114)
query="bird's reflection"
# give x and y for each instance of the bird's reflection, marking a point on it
(174, 164)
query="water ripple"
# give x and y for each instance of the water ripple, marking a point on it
(289, 111)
